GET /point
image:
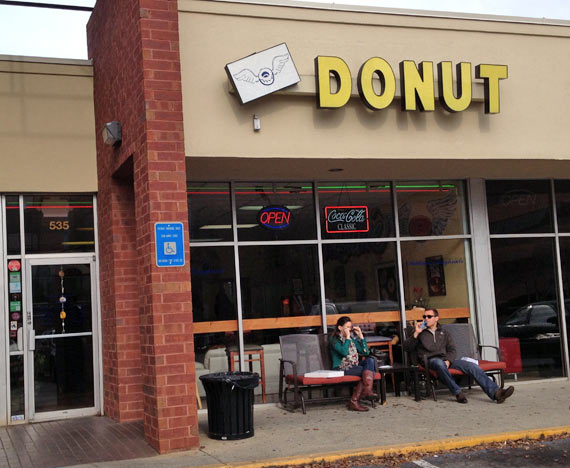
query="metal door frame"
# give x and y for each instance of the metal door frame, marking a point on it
(30, 413)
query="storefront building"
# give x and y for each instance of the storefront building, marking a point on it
(50, 332)
(415, 160)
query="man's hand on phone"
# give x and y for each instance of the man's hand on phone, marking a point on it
(418, 329)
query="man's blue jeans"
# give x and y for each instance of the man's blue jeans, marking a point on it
(468, 368)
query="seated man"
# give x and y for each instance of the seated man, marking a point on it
(434, 340)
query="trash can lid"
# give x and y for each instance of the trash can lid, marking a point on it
(244, 380)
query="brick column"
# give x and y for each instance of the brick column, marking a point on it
(149, 351)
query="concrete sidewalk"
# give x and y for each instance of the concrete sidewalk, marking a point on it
(284, 437)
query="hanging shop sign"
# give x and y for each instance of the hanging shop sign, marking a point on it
(274, 217)
(262, 73)
(341, 219)
(417, 84)
(169, 244)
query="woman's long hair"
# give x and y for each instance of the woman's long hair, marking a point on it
(340, 323)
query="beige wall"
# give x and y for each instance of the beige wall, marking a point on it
(47, 135)
(532, 124)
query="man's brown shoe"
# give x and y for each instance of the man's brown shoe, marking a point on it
(503, 393)
(461, 398)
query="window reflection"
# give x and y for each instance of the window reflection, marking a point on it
(279, 281)
(209, 212)
(431, 209)
(565, 266)
(13, 225)
(562, 190)
(56, 288)
(213, 284)
(519, 206)
(63, 374)
(58, 223)
(527, 304)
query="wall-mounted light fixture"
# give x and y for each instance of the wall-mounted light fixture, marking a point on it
(112, 133)
(256, 123)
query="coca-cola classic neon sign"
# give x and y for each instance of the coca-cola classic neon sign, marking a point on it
(341, 219)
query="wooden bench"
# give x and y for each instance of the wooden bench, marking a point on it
(304, 353)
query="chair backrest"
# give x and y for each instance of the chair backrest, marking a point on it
(464, 339)
(306, 351)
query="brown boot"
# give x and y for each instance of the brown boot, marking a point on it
(368, 382)
(354, 404)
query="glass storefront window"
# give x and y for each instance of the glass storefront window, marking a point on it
(562, 193)
(426, 208)
(213, 297)
(209, 212)
(275, 211)
(17, 399)
(519, 206)
(51, 283)
(361, 281)
(63, 374)
(436, 275)
(279, 281)
(213, 284)
(13, 225)
(357, 210)
(58, 223)
(527, 304)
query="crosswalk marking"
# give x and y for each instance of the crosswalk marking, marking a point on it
(424, 464)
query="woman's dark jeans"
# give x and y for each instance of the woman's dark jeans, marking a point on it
(365, 364)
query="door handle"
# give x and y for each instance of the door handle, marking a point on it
(31, 339)
(20, 339)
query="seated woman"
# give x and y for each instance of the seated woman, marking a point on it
(345, 347)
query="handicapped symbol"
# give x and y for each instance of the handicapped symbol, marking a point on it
(170, 248)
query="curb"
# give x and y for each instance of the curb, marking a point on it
(429, 446)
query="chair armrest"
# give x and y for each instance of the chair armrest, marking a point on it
(282, 366)
(481, 346)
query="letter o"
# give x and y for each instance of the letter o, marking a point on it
(383, 70)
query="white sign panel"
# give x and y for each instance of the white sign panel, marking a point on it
(263, 73)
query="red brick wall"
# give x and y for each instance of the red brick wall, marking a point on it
(148, 346)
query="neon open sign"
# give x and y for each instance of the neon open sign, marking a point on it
(346, 219)
(274, 217)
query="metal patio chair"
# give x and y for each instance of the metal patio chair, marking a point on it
(303, 353)
(467, 346)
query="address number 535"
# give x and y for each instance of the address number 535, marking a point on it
(58, 225)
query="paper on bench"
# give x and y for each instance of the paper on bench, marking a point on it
(325, 374)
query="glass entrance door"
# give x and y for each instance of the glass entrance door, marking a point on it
(61, 342)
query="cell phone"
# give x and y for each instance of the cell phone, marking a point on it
(423, 325)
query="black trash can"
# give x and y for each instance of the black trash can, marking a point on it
(229, 396)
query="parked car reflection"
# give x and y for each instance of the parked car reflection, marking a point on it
(535, 321)
(536, 326)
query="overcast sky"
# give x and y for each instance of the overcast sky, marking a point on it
(56, 33)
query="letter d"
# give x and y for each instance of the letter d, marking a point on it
(324, 68)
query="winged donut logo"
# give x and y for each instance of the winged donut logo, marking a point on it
(265, 76)
(262, 73)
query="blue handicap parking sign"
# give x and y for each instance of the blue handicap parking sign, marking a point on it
(169, 244)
